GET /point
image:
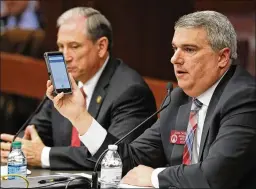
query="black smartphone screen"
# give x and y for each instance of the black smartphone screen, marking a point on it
(59, 74)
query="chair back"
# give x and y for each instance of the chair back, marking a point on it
(158, 87)
(23, 75)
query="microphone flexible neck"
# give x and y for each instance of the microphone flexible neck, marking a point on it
(95, 174)
(30, 117)
(125, 136)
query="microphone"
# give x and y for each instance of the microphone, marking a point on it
(169, 88)
(30, 117)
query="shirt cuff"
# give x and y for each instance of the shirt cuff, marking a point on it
(90, 141)
(45, 157)
(154, 177)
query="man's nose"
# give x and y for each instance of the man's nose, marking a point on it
(67, 55)
(177, 57)
(68, 58)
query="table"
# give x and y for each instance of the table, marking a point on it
(46, 172)
(39, 174)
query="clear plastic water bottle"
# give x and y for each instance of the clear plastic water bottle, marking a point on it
(111, 168)
(17, 162)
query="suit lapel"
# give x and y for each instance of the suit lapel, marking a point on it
(214, 101)
(180, 125)
(207, 121)
(96, 101)
(100, 90)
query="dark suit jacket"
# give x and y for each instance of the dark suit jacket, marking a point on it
(227, 157)
(126, 102)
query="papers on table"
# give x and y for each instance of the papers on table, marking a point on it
(131, 186)
(77, 174)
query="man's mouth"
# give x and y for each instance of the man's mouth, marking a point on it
(69, 69)
(180, 72)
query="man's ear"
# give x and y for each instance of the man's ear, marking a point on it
(224, 57)
(102, 46)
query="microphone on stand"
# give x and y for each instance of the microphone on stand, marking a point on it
(30, 117)
(94, 173)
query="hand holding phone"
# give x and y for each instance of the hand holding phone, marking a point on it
(57, 72)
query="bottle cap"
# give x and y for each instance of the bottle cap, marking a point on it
(112, 147)
(16, 144)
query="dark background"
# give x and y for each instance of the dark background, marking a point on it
(143, 29)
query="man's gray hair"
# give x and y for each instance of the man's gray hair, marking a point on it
(220, 31)
(97, 24)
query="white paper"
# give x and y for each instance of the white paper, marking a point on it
(131, 186)
(77, 174)
(4, 170)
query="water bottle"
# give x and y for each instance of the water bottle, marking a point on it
(111, 168)
(17, 162)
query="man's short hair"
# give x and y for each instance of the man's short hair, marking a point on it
(220, 31)
(97, 25)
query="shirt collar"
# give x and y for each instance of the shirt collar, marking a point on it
(205, 98)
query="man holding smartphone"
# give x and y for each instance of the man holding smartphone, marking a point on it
(206, 136)
(116, 96)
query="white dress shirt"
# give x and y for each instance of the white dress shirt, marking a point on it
(88, 88)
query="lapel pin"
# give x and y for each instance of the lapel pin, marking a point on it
(98, 99)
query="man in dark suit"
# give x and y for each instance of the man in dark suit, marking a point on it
(116, 97)
(206, 137)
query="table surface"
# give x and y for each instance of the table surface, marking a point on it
(36, 173)
(46, 172)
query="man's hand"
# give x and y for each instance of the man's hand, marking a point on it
(5, 149)
(139, 176)
(72, 106)
(69, 105)
(32, 146)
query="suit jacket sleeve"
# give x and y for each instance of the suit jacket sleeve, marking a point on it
(147, 149)
(131, 108)
(230, 156)
(231, 152)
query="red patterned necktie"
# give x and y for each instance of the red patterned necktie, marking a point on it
(192, 125)
(75, 141)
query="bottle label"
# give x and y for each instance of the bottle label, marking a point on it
(111, 175)
(17, 169)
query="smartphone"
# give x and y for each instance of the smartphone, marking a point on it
(57, 71)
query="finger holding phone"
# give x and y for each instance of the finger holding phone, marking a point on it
(63, 90)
